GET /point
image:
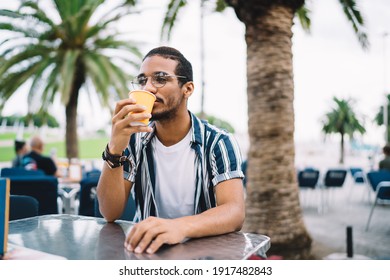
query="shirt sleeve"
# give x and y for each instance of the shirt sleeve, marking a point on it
(225, 159)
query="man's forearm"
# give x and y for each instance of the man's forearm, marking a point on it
(112, 193)
(218, 220)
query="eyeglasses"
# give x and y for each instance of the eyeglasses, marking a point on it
(159, 80)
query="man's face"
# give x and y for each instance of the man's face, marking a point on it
(169, 98)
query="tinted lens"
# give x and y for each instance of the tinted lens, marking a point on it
(142, 80)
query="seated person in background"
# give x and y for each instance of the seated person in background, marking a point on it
(35, 160)
(186, 173)
(20, 150)
(385, 163)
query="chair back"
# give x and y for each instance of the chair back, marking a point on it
(377, 177)
(94, 173)
(42, 188)
(357, 175)
(335, 178)
(128, 214)
(308, 178)
(22, 206)
(380, 183)
(20, 171)
(87, 195)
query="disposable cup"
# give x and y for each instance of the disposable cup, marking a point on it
(146, 99)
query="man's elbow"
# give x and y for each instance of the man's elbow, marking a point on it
(240, 222)
(108, 215)
(109, 219)
(239, 219)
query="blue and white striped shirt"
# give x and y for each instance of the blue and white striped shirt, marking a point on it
(218, 158)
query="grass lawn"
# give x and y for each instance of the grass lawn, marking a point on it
(88, 148)
(12, 136)
(91, 148)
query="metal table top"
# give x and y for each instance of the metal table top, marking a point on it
(87, 238)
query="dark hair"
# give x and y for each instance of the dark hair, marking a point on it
(386, 149)
(19, 145)
(183, 68)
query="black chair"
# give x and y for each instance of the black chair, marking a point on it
(42, 188)
(333, 179)
(128, 213)
(308, 178)
(308, 182)
(380, 183)
(22, 206)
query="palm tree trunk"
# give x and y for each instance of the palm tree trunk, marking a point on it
(273, 196)
(342, 149)
(71, 137)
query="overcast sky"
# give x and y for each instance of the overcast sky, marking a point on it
(327, 62)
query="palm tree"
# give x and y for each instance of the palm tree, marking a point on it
(64, 50)
(272, 201)
(342, 120)
(379, 118)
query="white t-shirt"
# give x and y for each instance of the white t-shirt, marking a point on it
(175, 178)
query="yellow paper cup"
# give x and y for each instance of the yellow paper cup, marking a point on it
(146, 99)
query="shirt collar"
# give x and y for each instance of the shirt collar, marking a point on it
(196, 125)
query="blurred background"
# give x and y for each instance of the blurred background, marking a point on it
(328, 63)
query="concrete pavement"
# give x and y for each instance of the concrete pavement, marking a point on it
(347, 206)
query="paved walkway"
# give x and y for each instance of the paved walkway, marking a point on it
(348, 206)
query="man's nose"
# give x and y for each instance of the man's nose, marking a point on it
(149, 85)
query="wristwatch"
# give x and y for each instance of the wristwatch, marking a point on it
(113, 161)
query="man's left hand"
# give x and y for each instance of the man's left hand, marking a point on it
(149, 235)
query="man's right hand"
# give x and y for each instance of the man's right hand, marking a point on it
(121, 129)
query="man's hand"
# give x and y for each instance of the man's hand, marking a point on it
(149, 235)
(121, 128)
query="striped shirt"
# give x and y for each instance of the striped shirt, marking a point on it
(218, 158)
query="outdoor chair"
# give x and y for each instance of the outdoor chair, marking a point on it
(357, 175)
(42, 188)
(94, 173)
(128, 213)
(308, 178)
(308, 182)
(358, 179)
(22, 206)
(334, 179)
(88, 193)
(19, 171)
(380, 183)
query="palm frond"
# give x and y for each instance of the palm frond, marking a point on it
(354, 16)
(342, 119)
(171, 14)
(25, 31)
(304, 18)
(220, 6)
(68, 72)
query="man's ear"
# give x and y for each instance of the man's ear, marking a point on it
(188, 89)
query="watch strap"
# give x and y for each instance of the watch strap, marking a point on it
(113, 161)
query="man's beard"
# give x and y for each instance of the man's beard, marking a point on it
(170, 113)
